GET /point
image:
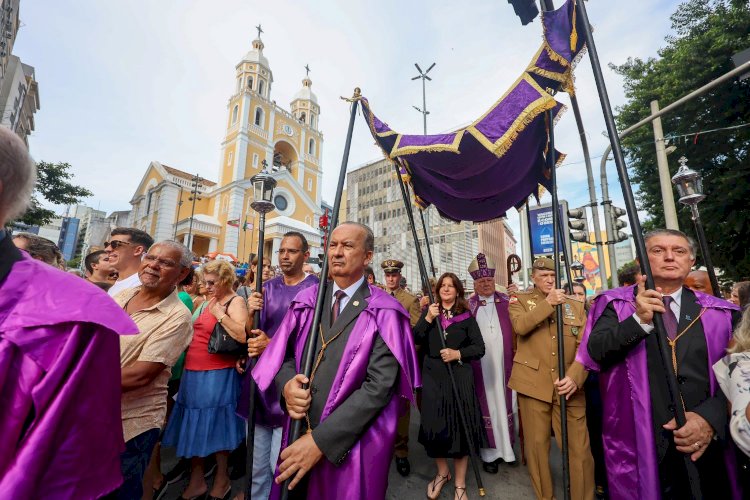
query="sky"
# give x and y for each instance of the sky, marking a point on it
(123, 83)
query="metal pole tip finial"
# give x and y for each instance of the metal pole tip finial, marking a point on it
(682, 161)
(356, 97)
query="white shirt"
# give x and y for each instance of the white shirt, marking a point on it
(120, 285)
(349, 291)
(674, 306)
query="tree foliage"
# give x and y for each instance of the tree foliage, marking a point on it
(52, 185)
(706, 35)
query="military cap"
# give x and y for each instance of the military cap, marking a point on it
(391, 266)
(544, 263)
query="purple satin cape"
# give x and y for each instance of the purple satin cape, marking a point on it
(364, 472)
(501, 305)
(629, 444)
(60, 423)
(277, 300)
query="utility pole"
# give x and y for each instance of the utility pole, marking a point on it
(665, 180)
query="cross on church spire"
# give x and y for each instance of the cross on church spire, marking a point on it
(307, 69)
(260, 30)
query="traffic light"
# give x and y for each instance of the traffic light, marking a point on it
(579, 225)
(525, 9)
(617, 224)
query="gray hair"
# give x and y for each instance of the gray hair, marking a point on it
(186, 256)
(673, 232)
(369, 236)
(17, 176)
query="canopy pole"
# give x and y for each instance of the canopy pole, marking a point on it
(547, 5)
(311, 345)
(551, 160)
(675, 397)
(426, 237)
(426, 285)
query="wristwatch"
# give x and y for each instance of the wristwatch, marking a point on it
(222, 318)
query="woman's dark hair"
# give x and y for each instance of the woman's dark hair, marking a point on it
(188, 279)
(461, 304)
(743, 292)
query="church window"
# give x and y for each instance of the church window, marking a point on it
(148, 202)
(235, 110)
(312, 121)
(260, 87)
(303, 117)
(280, 202)
(309, 184)
(255, 160)
(250, 82)
(259, 116)
(311, 147)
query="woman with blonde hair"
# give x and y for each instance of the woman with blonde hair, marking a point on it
(203, 421)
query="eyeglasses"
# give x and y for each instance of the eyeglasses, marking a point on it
(160, 262)
(115, 244)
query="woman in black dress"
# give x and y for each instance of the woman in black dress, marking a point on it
(440, 431)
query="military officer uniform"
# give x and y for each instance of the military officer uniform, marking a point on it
(535, 368)
(411, 304)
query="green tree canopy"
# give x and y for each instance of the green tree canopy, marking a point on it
(53, 185)
(712, 131)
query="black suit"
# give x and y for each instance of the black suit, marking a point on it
(610, 342)
(343, 427)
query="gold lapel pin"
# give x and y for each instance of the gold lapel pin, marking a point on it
(355, 303)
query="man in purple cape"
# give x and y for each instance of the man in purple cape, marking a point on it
(492, 372)
(644, 451)
(273, 305)
(365, 365)
(60, 424)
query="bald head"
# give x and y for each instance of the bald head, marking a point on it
(17, 176)
(699, 281)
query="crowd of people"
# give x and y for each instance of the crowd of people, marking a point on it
(197, 343)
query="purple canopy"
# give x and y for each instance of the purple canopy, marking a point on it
(478, 172)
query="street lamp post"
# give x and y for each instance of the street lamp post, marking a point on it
(424, 77)
(263, 186)
(196, 185)
(690, 188)
(179, 206)
(577, 269)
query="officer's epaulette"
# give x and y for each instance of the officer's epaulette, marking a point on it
(515, 295)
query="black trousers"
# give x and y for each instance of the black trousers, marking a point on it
(712, 470)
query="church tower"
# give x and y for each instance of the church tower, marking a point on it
(305, 104)
(287, 142)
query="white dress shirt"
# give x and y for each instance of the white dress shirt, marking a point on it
(348, 292)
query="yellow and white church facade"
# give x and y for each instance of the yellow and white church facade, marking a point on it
(258, 133)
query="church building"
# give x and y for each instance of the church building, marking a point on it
(259, 134)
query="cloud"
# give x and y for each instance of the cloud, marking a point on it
(125, 83)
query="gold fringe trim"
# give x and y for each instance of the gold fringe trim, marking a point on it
(406, 150)
(573, 32)
(503, 144)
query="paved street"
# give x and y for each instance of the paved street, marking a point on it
(510, 483)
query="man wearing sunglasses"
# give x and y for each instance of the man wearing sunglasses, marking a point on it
(125, 249)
